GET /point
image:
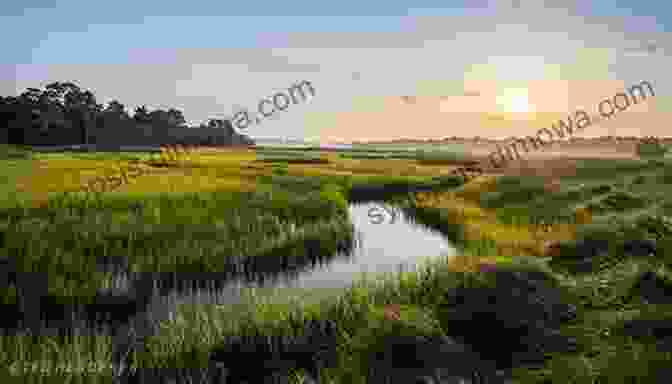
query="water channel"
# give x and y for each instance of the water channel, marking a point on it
(384, 247)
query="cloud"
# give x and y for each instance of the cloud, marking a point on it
(648, 48)
(529, 43)
(255, 59)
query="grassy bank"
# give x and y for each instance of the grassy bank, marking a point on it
(492, 220)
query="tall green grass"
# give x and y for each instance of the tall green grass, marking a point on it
(162, 233)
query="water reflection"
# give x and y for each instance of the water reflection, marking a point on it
(372, 249)
(378, 248)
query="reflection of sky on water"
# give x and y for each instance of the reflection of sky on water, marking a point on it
(381, 248)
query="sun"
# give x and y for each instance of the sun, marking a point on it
(514, 101)
(519, 103)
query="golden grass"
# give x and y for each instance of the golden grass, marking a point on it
(480, 223)
(201, 169)
(472, 190)
(178, 182)
(468, 263)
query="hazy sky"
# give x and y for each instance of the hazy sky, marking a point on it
(486, 68)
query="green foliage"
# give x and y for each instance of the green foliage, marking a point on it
(600, 169)
(666, 208)
(665, 176)
(198, 232)
(364, 155)
(658, 226)
(11, 152)
(649, 149)
(439, 157)
(622, 201)
(362, 349)
(448, 181)
(513, 215)
(509, 194)
(600, 189)
(280, 169)
(335, 194)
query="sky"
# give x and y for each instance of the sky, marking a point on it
(473, 68)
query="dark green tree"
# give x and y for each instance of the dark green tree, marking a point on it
(141, 115)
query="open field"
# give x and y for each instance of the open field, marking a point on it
(218, 210)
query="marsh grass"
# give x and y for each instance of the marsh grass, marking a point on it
(9, 152)
(602, 169)
(43, 359)
(507, 231)
(294, 161)
(604, 293)
(604, 351)
(602, 297)
(360, 313)
(373, 309)
(197, 233)
(364, 322)
(364, 325)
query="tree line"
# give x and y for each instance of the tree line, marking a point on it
(64, 114)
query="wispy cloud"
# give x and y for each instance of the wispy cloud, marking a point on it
(452, 63)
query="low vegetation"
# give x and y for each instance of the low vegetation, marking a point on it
(614, 314)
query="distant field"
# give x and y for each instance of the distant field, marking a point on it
(458, 148)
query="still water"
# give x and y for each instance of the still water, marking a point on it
(380, 248)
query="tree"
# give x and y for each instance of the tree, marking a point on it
(141, 114)
(63, 113)
(80, 107)
(176, 117)
(83, 108)
(215, 123)
(116, 108)
(31, 96)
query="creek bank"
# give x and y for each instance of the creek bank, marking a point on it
(522, 310)
(374, 249)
